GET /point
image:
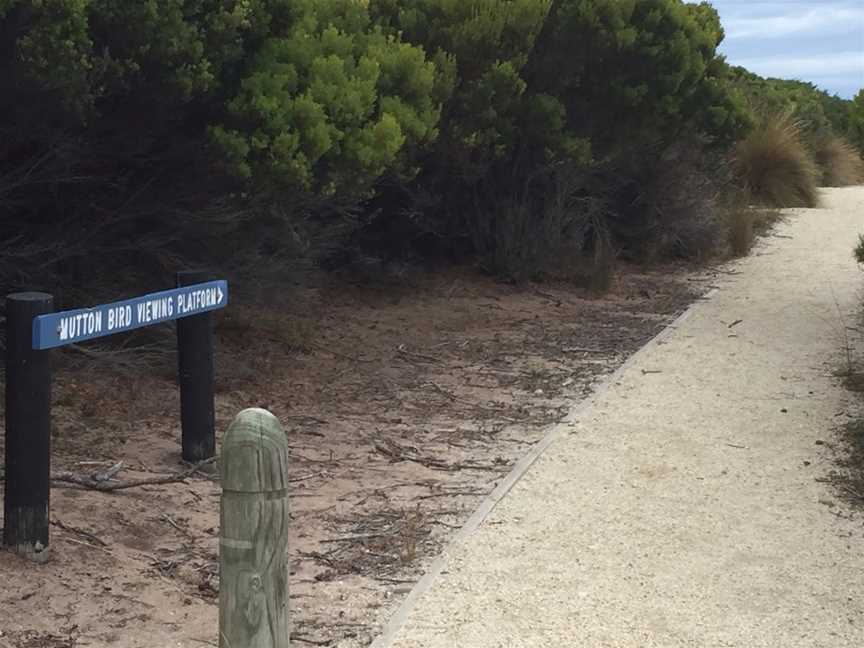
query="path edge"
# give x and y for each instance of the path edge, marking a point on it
(398, 619)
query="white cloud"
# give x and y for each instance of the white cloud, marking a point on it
(796, 19)
(821, 41)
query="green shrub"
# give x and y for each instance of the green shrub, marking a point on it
(775, 167)
(481, 48)
(630, 73)
(330, 105)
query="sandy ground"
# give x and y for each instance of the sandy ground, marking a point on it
(685, 505)
(405, 404)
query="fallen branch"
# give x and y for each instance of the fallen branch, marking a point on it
(365, 536)
(396, 452)
(314, 642)
(80, 532)
(583, 350)
(455, 493)
(63, 479)
(319, 347)
(293, 480)
(419, 357)
(109, 474)
(483, 408)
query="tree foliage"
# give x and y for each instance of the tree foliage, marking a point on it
(817, 112)
(625, 69)
(329, 104)
(294, 94)
(481, 48)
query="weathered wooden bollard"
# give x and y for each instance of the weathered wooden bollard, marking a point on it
(253, 590)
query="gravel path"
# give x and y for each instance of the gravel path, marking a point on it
(679, 506)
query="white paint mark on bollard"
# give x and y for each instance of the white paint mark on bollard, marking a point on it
(253, 590)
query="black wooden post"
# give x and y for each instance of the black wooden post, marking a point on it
(28, 429)
(195, 361)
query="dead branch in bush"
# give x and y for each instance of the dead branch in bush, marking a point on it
(93, 482)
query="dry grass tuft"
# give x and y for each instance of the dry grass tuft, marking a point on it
(839, 162)
(859, 249)
(848, 477)
(742, 233)
(775, 166)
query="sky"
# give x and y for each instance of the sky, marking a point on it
(821, 41)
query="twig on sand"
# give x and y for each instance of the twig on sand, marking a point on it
(81, 532)
(365, 536)
(454, 493)
(399, 453)
(305, 477)
(483, 408)
(417, 357)
(324, 349)
(64, 479)
(583, 350)
(314, 642)
(87, 544)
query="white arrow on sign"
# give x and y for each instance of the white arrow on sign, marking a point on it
(220, 294)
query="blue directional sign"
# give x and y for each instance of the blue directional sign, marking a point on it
(70, 327)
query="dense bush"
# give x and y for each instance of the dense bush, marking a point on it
(538, 84)
(146, 125)
(544, 137)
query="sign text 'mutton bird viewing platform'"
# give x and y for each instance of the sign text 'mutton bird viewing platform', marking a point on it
(69, 327)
